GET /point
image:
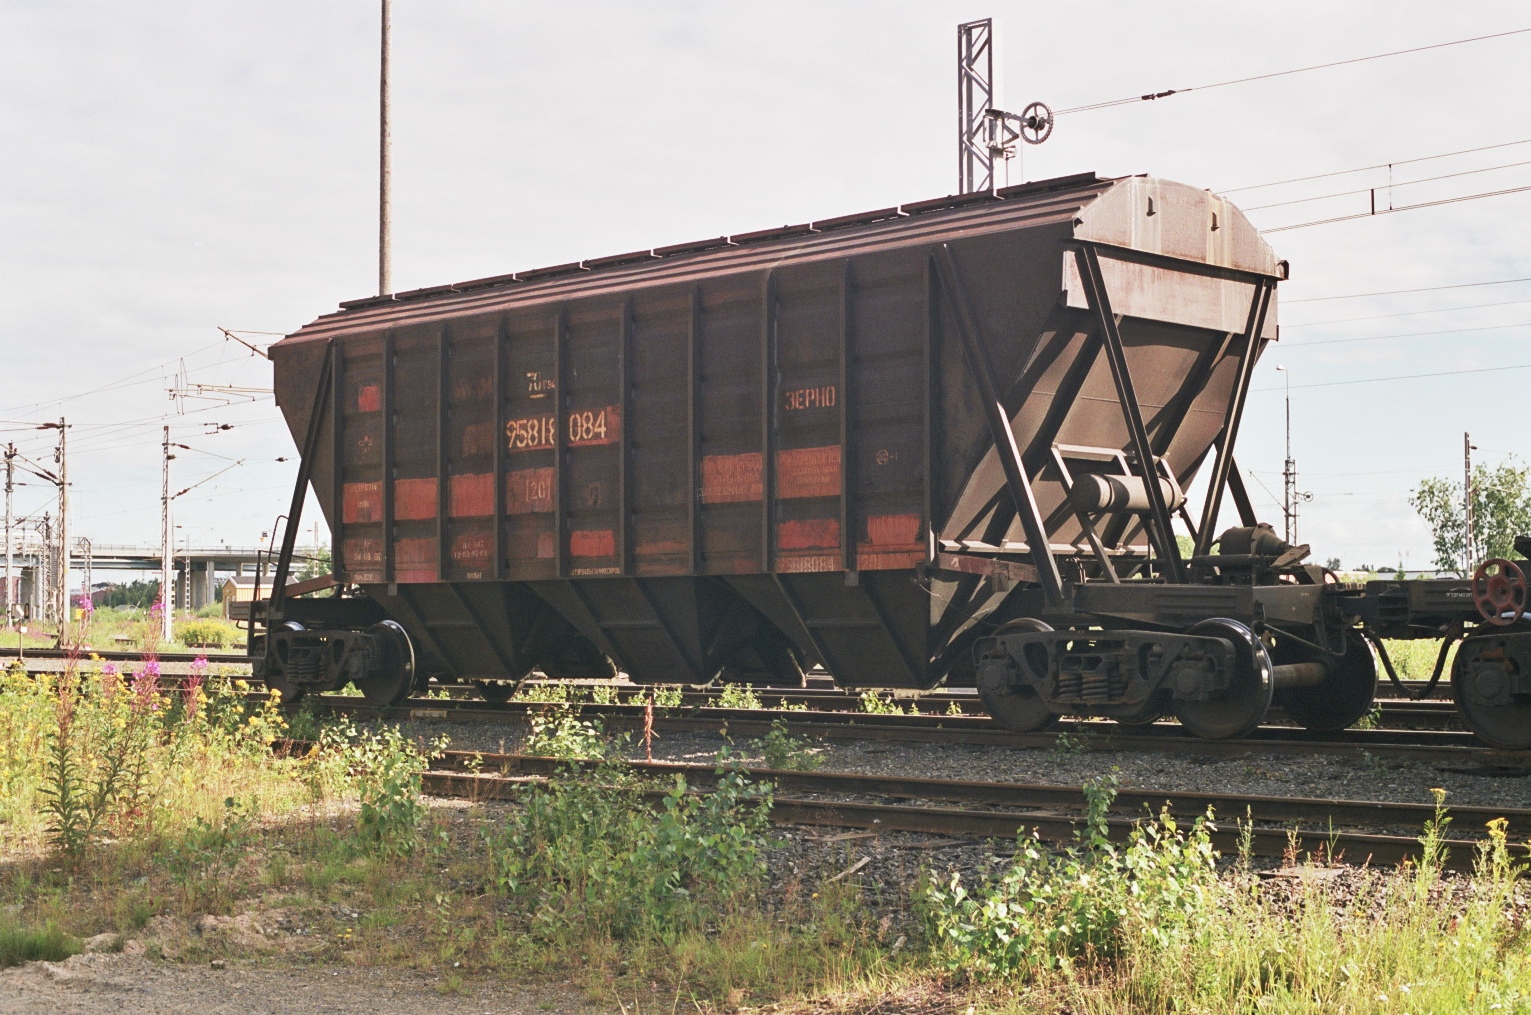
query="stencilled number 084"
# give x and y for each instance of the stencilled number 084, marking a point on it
(587, 426)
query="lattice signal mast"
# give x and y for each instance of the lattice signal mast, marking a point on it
(985, 134)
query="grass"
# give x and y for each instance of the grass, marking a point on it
(18, 945)
(210, 846)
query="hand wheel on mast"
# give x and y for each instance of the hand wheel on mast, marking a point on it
(1499, 591)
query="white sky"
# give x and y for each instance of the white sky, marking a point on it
(170, 167)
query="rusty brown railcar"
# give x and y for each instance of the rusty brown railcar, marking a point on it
(947, 441)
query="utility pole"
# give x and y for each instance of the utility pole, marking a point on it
(65, 612)
(384, 181)
(1467, 503)
(10, 484)
(166, 549)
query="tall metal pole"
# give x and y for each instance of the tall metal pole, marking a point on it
(10, 581)
(384, 226)
(1289, 470)
(65, 613)
(975, 97)
(1467, 503)
(166, 549)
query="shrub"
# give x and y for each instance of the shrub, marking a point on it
(386, 769)
(207, 633)
(589, 854)
(1049, 911)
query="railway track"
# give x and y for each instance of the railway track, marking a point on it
(1275, 826)
(1085, 735)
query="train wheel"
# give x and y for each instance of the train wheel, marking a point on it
(1345, 695)
(393, 677)
(496, 692)
(1022, 710)
(275, 672)
(1242, 706)
(1478, 683)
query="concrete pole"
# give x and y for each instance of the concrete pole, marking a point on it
(384, 181)
(10, 581)
(67, 613)
(166, 579)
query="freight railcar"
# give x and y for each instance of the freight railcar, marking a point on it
(946, 441)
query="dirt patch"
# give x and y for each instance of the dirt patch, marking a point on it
(97, 983)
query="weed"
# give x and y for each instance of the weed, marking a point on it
(873, 703)
(207, 854)
(387, 767)
(587, 854)
(787, 706)
(558, 731)
(785, 752)
(668, 697)
(1370, 721)
(603, 694)
(954, 708)
(548, 693)
(1052, 911)
(1068, 745)
(738, 696)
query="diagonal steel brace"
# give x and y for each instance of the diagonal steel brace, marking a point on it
(1224, 472)
(999, 428)
(1100, 302)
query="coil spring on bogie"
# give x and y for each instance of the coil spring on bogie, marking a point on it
(1070, 686)
(1091, 680)
(302, 666)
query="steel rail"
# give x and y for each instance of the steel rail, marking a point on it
(1458, 747)
(1051, 811)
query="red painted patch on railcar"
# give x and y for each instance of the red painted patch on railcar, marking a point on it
(528, 491)
(414, 560)
(592, 543)
(808, 534)
(470, 495)
(732, 479)
(361, 503)
(808, 472)
(414, 500)
(473, 550)
(893, 530)
(362, 560)
(369, 398)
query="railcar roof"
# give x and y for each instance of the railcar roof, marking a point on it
(1116, 211)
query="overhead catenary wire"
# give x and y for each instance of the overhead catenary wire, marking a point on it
(1390, 186)
(1406, 334)
(1380, 165)
(1403, 207)
(1402, 292)
(1152, 96)
(1405, 313)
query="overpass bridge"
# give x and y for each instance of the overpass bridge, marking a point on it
(198, 569)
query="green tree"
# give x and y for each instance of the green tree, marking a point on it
(1501, 511)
